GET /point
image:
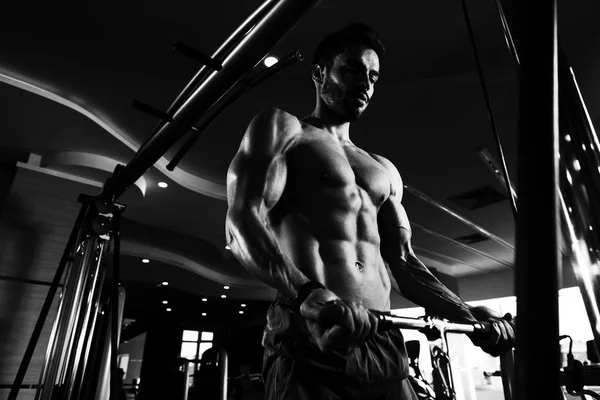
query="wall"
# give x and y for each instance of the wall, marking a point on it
(35, 221)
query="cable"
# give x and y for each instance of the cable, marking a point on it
(507, 180)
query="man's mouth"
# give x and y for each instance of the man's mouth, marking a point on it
(363, 98)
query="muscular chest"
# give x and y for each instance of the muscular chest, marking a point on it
(325, 164)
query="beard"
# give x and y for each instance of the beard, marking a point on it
(336, 98)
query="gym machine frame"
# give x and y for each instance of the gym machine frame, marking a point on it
(97, 223)
(72, 368)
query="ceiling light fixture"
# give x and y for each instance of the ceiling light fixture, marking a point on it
(223, 296)
(168, 309)
(204, 314)
(163, 184)
(241, 312)
(165, 283)
(270, 61)
(225, 287)
(243, 305)
(145, 260)
(567, 138)
(204, 299)
(165, 302)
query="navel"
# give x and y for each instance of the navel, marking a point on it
(359, 266)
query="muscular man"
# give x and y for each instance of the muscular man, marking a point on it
(322, 221)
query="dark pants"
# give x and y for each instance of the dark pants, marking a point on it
(295, 369)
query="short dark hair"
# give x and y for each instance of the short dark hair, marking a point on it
(337, 42)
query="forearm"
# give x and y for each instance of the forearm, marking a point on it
(418, 285)
(256, 249)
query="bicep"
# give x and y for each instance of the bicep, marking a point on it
(394, 226)
(257, 173)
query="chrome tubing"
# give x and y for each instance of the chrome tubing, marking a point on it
(580, 195)
(70, 298)
(252, 48)
(459, 217)
(223, 372)
(461, 245)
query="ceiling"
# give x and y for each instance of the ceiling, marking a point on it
(70, 70)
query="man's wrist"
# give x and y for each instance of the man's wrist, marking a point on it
(304, 291)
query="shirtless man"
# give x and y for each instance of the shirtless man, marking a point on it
(321, 221)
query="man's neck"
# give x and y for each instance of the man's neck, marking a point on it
(330, 123)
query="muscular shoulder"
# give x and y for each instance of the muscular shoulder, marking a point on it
(270, 131)
(396, 180)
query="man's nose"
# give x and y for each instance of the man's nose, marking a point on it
(365, 84)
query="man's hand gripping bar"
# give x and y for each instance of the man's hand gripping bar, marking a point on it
(387, 321)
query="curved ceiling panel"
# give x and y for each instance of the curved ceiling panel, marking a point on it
(178, 175)
(89, 160)
(144, 250)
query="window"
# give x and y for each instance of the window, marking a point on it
(195, 343)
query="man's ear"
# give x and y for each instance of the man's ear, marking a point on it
(318, 74)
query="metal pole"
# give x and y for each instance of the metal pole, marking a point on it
(218, 56)
(452, 213)
(275, 25)
(537, 259)
(461, 245)
(39, 325)
(224, 371)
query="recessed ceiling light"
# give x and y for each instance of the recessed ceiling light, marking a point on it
(145, 260)
(225, 287)
(227, 248)
(163, 184)
(576, 165)
(165, 283)
(168, 309)
(270, 61)
(223, 296)
(204, 299)
(241, 312)
(243, 305)
(204, 314)
(165, 302)
(568, 138)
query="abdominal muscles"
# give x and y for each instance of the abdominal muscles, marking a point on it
(331, 236)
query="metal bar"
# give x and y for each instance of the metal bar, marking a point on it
(227, 99)
(537, 260)
(272, 28)
(39, 325)
(461, 245)
(459, 217)
(114, 344)
(488, 160)
(507, 370)
(84, 332)
(488, 105)
(580, 190)
(68, 303)
(388, 321)
(218, 56)
(88, 358)
(244, 56)
(224, 373)
(507, 34)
